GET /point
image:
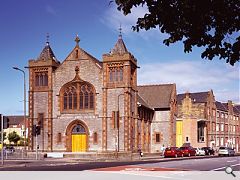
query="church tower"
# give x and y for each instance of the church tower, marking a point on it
(119, 99)
(41, 98)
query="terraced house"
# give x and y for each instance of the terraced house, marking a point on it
(227, 132)
(202, 121)
(83, 104)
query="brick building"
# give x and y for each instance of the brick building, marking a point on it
(84, 104)
(227, 132)
(202, 121)
(195, 114)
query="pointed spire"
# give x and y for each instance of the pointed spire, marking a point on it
(119, 47)
(77, 40)
(47, 52)
(120, 31)
(47, 42)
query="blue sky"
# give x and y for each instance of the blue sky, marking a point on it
(25, 23)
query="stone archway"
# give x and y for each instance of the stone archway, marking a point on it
(77, 135)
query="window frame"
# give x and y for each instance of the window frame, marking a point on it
(80, 94)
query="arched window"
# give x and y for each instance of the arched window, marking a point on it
(78, 129)
(78, 97)
(41, 78)
(65, 99)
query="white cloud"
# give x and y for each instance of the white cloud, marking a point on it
(113, 18)
(194, 76)
(50, 10)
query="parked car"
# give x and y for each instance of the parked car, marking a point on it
(226, 151)
(208, 150)
(172, 152)
(200, 152)
(188, 151)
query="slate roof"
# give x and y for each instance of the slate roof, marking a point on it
(220, 106)
(119, 47)
(198, 97)
(236, 109)
(156, 96)
(142, 102)
(47, 54)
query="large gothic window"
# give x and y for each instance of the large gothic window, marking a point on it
(77, 97)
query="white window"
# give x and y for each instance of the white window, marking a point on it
(217, 143)
(222, 115)
(218, 114)
(234, 128)
(217, 127)
(226, 116)
(222, 141)
(222, 127)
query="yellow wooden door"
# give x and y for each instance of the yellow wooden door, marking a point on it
(79, 142)
(179, 134)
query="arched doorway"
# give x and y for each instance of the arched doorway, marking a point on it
(77, 134)
(79, 138)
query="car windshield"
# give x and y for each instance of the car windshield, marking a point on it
(222, 148)
(182, 148)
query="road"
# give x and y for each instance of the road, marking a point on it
(179, 164)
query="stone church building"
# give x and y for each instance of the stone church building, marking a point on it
(84, 105)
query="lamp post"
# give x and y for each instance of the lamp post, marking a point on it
(24, 101)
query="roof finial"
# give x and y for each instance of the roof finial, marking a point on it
(47, 42)
(120, 31)
(77, 39)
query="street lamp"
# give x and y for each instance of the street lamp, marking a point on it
(24, 131)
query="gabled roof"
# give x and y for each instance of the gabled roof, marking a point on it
(78, 53)
(198, 97)
(220, 106)
(119, 47)
(142, 102)
(236, 109)
(156, 96)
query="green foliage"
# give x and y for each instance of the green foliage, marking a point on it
(212, 24)
(13, 137)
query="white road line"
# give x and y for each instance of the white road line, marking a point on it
(224, 167)
(232, 161)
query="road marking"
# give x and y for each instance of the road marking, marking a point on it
(224, 167)
(134, 173)
(232, 161)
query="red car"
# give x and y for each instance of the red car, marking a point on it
(188, 151)
(172, 152)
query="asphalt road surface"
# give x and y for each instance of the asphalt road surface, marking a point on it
(205, 164)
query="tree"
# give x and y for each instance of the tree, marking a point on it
(211, 24)
(13, 137)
